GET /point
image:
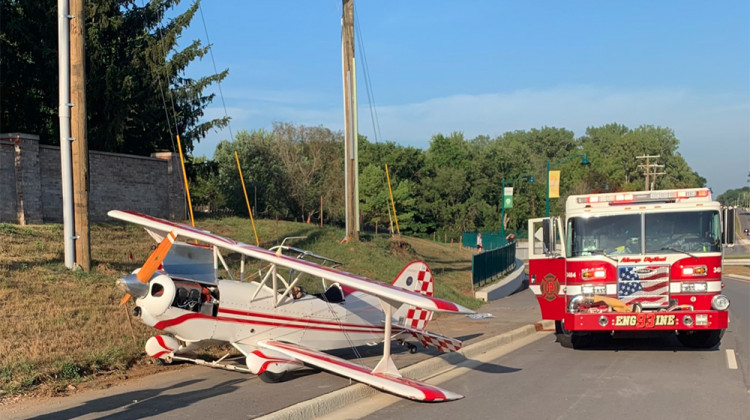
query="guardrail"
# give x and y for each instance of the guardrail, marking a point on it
(487, 265)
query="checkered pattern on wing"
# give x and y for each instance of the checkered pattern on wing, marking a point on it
(444, 344)
(417, 317)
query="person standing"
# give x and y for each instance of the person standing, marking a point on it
(479, 242)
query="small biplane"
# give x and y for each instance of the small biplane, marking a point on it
(275, 325)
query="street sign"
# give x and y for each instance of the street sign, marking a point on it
(508, 198)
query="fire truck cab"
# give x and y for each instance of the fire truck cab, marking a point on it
(635, 261)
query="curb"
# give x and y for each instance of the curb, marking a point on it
(336, 400)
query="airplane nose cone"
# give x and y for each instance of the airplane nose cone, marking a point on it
(131, 284)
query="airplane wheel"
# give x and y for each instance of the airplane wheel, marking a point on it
(164, 361)
(272, 377)
(412, 348)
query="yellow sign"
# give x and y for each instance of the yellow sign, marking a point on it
(554, 184)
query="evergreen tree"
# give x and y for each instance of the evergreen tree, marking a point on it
(138, 97)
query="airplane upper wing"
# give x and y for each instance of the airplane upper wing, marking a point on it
(392, 294)
(398, 385)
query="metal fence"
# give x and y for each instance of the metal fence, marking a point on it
(487, 265)
(491, 239)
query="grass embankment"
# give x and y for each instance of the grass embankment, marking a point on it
(63, 327)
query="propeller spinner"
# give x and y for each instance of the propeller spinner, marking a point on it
(136, 284)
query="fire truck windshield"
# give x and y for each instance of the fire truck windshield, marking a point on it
(664, 232)
(687, 231)
(607, 235)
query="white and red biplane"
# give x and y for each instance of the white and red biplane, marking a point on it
(270, 321)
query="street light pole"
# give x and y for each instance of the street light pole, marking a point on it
(546, 212)
(502, 212)
(584, 161)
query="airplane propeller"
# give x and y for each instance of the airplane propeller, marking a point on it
(147, 270)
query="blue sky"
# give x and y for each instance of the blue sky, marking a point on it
(488, 67)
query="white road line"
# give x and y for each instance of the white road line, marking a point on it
(731, 359)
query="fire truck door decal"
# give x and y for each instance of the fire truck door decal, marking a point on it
(550, 287)
(646, 285)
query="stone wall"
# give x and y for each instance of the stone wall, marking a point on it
(31, 187)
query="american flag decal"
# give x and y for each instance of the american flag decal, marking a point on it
(646, 285)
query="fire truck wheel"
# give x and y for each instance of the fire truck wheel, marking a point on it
(705, 339)
(569, 339)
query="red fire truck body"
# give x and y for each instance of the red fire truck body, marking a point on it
(635, 261)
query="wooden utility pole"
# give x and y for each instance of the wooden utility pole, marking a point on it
(647, 168)
(79, 149)
(350, 121)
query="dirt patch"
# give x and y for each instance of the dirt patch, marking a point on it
(402, 249)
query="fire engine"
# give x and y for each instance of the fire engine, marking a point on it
(633, 262)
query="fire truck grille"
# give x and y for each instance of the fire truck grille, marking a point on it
(645, 285)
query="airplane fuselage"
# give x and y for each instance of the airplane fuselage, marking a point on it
(242, 316)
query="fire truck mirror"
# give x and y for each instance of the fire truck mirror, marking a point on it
(727, 226)
(548, 232)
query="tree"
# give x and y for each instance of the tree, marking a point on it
(735, 197)
(313, 164)
(264, 174)
(138, 98)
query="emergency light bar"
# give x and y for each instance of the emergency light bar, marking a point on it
(644, 196)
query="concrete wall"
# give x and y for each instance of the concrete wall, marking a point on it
(31, 187)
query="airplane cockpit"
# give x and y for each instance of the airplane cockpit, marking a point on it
(196, 297)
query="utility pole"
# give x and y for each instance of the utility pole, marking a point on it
(66, 166)
(351, 193)
(647, 168)
(80, 150)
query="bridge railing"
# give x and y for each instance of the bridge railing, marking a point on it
(489, 265)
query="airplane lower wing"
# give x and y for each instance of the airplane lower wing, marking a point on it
(399, 385)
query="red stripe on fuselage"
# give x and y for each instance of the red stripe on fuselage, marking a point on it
(161, 325)
(288, 318)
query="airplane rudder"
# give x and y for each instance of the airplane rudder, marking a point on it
(416, 277)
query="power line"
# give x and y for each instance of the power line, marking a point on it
(650, 170)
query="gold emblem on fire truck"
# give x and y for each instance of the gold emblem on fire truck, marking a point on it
(550, 287)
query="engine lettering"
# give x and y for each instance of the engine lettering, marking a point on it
(645, 320)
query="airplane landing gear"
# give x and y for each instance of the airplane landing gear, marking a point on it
(272, 377)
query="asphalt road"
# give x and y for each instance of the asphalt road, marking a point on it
(633, 378)
(640, 378)
(742, 240)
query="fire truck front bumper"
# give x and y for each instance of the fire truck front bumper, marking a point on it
(647, 321)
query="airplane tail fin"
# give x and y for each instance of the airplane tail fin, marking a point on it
(415, 277)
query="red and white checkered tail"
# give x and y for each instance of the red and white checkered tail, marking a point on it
(415, 277)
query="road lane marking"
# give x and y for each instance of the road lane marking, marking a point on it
(731, 359)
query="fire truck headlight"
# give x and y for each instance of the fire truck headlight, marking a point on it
(693, 287)
(720, 303)
(574, 302)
